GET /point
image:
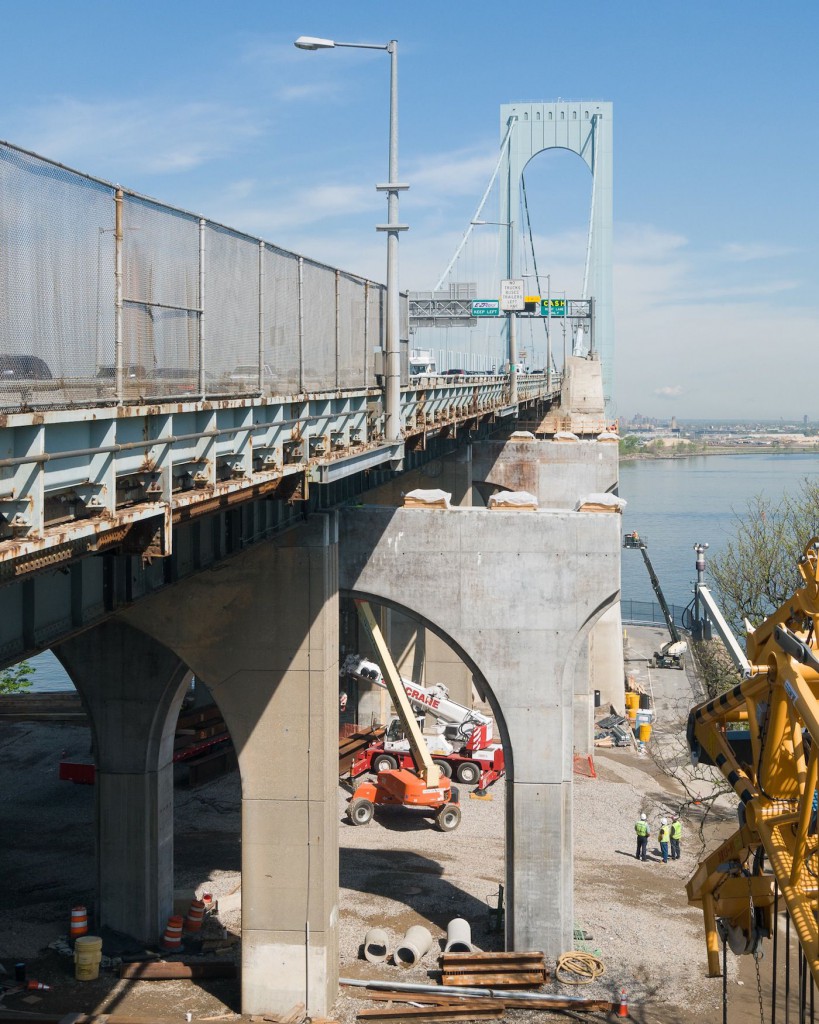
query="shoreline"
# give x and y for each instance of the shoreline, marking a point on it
(727, 450)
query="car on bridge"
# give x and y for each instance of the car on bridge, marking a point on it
(247, 374)
(23, 367)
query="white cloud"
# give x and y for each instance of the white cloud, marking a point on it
(746, 252)
(669, 391)
(144, 135)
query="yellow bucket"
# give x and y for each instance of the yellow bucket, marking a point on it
(632, 700)
(645, 732)
(87, 956)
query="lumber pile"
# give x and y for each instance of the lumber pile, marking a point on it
(435, 1006)
(202, 745)
(349, 746)
(164, 970)
(494, 970)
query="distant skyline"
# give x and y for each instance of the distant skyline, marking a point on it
(210, 107)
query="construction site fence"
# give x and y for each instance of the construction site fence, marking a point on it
(108, 296)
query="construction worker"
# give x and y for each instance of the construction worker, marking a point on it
(665, 833)
(676, 836)
(643, 832)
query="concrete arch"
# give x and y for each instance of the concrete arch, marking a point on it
(132, 688)
(261, 630)
(486, 691)
(584, 128)
(520, 593)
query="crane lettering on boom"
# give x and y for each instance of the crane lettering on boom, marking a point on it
(423, 698)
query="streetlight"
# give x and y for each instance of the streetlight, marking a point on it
(511, 320)
(392, 391)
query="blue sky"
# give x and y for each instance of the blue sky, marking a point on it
(209, 106)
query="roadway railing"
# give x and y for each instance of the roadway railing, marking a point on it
(108, 296)
(649, 613)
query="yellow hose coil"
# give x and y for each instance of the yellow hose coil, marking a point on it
(578, 968)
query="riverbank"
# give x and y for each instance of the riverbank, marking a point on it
(644, 456)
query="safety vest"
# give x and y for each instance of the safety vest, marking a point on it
(676, 829)
(641, 828)
(664, 833)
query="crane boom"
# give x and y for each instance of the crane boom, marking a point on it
(773, 766)
(426, 767)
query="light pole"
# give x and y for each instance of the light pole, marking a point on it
(392, 390)
(511, 320)
(549, 332)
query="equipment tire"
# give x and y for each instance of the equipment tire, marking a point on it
(468, 773)
(360, 811)
(448, 818)
(446, 768)
(384, 763)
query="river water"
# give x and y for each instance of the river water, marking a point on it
(675, 503)
(672, 503)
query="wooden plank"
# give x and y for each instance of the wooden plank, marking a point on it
(163, 970)
(495, 980)
(557, 1004)
(529, 965)
(497, 957)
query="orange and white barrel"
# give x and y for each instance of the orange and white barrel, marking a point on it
(79, 922)
(172, 939)
(193, 922)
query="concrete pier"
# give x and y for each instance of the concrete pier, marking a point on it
(516, 594)
(262, 633)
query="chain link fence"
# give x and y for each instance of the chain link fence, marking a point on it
(649, 613)
(107, 296)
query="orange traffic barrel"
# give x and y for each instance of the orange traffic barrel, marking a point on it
(79, 922)
(193, 922)
(172, 939)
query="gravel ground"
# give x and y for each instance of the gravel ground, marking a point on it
(395, 872)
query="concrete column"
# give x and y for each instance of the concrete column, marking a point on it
(559, 475)
(583, 700)
(262, 632)
(132, 688)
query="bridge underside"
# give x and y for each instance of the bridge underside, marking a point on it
(516, 595)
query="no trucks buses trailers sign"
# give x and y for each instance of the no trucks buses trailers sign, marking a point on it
(511, 296)
(485, 307)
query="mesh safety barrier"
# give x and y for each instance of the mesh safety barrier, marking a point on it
(319, 318)
(56, 285)
(232, 323)
(282, 347)
(204, 310)
(160, 301)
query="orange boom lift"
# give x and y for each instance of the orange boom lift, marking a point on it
(425, 787)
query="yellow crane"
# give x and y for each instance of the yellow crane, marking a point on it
(771, 762)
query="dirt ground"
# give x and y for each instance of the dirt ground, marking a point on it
(395, 872)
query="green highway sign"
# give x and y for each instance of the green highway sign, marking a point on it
(558, 307)
(485, 307)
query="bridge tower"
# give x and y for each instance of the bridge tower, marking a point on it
(585, 128)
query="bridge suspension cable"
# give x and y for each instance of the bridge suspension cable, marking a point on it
(481, 204)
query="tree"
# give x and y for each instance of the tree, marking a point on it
(16, 679)
(757, 571)
(630, 445)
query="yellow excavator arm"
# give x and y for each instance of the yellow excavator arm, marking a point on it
(772, 766)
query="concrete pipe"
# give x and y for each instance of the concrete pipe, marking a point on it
(375, 946)
(413, 947)
(458, 936)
